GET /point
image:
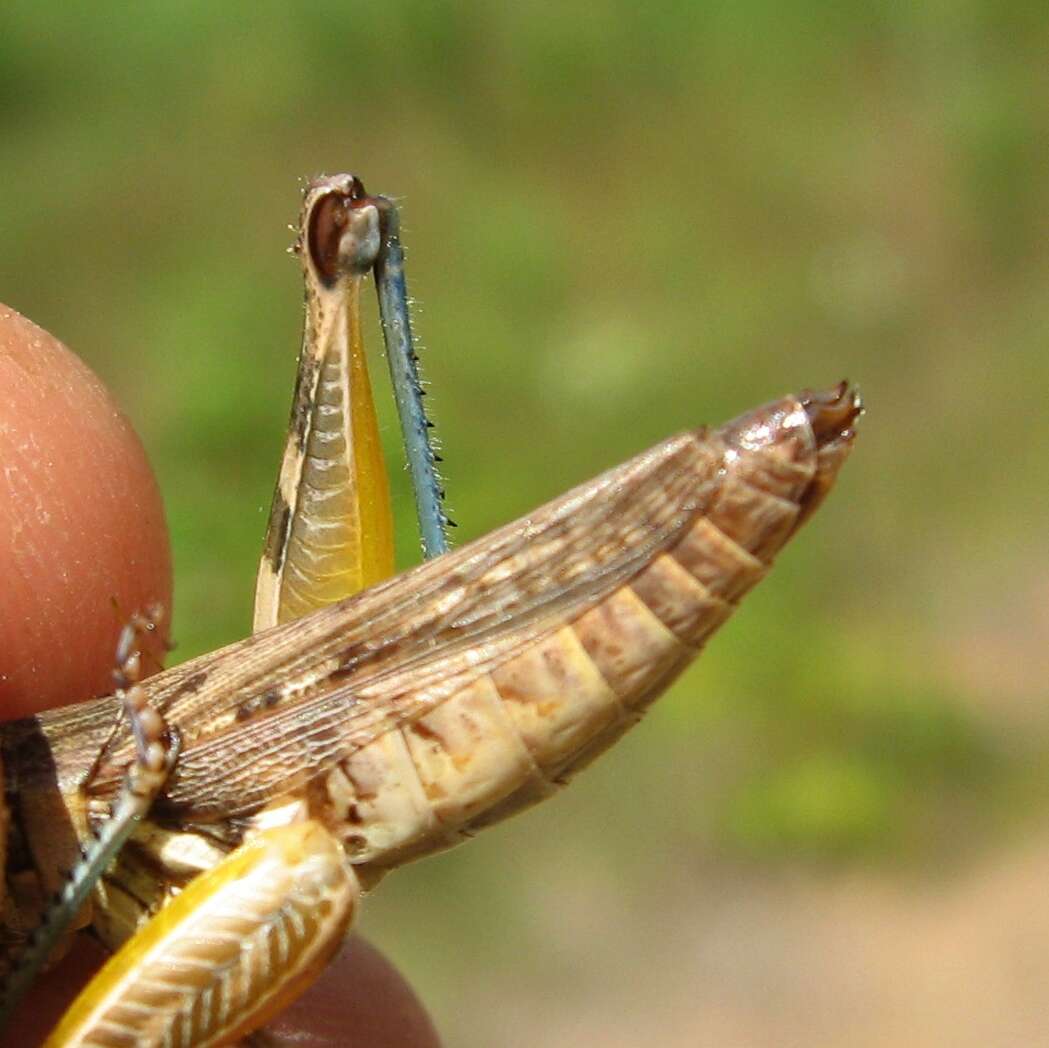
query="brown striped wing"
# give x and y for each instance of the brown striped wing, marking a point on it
(280, 707)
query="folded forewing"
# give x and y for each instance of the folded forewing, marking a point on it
(286, 704)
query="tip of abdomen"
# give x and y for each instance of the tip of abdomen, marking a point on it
(832, 412)
(832, 415)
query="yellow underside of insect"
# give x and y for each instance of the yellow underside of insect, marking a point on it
(341, 537)
(373, 509)
(332, 514)
(227, 953)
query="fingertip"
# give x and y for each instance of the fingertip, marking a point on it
(83, 542)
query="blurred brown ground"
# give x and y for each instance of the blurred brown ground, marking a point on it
(860, 959)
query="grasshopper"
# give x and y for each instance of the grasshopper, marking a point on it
(370, 721)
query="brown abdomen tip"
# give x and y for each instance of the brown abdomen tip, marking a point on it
(832, 411)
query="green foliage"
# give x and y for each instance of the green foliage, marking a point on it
(829, 802)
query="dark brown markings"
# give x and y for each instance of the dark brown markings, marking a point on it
(424, 731)
(303, 398)
(277, 532)
(258, 703)
(190, 686)
(328, 218)
(358, 656)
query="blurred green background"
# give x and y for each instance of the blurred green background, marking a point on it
(623, 220)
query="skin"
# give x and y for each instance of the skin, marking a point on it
(83, 544)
